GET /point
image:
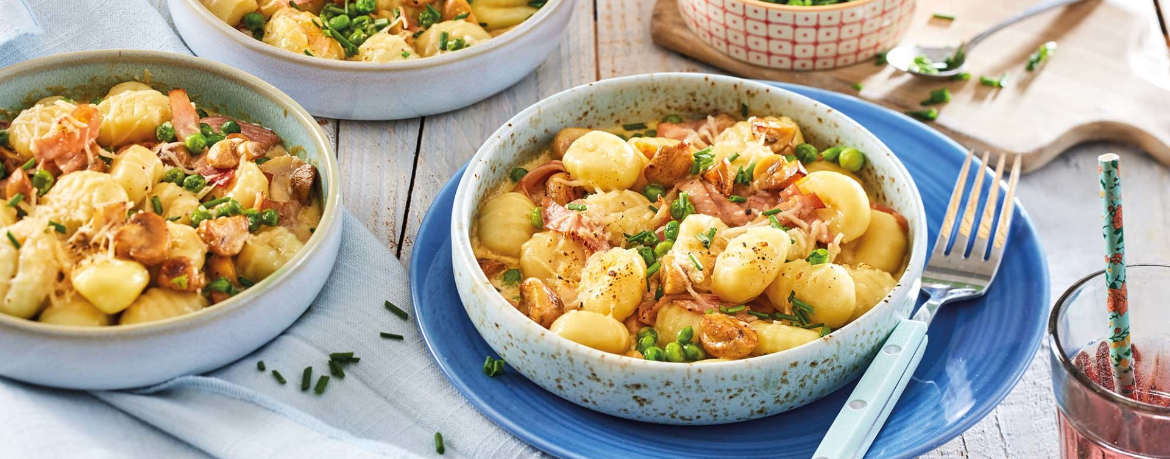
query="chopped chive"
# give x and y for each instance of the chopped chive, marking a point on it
(938, 96)
(156, 205)
(925, 115)
(732, 310)
(577, 207)
(858, 86)
(396, 310)
(759, 314)
(461, 16)
(307, 53)
(390, 336)
(260, 366)
(306, 379)
(736, 198)
(32, 162)
(321, 383)
(788, 317)
(774, 222)
(825, 330)
(336, 370)
(341, 356)
(13, 240)
(880, 58)
(994, 82)
(816, 325)
(634, 127)
(653, 209)
(698, 266)
(962, 76)
(947, 17)
(653, 269)
(733, 157)
(743, 109)
(818, 256)
(493, 367)
(16, 200)
(215, 202)
(772, 212)
(439, 448)
(279, 378)
(512, 277)
(1040, 56)
(244, 281)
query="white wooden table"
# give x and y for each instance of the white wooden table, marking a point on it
(394, 169)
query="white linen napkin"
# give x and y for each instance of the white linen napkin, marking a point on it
(390, 404)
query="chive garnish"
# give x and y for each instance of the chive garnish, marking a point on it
(341, 356)
(321, 383)
(880, 58)
(788, 317)
(577, 207)
(512, 277)
(308, 53)
(57, 227)
(816, 325)
(396, 310)
(858, 86)
(439, 443)
(825, 330)
(16, 200)
(390, 336)
(634, 127)
(461, 16)
(776, 223)
(653, 209)
(963, 76)
(946, 17)
(336, 370)
(215, 202)
(29, 164)
(994, 82)
(493, 367)
(938, 96)
(733, 157)
(759, 314)
(260, 366)
(698, 266)
(279, 378)
(736, 198)
(771, 212)
(818, 256)
(156, 205)
(306, 378)
(924, 115)
(743, 109)
(13, 240)
(653, 269)
(732, 310)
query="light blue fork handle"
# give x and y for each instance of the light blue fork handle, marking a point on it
(876, 394)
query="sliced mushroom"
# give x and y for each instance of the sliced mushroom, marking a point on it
(539, 302)
(726, 337)
(289, 178)
(775, 173)
(489, 266)
(221, 266)
(721, 176)
(558, 188)
(181, 274)
(224, 236)
(143, 238)
(302, 179)
(670, 165)
(778, 134)
(672, 275)
(564, 138)
(17, 183)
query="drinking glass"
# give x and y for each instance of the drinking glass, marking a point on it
(1095, 421)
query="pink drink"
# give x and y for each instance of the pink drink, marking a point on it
(1092, 426)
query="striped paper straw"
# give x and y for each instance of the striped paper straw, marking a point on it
(1118, 303)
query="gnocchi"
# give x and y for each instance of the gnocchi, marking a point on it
(689, 240)
(111, 219)
(375, 31)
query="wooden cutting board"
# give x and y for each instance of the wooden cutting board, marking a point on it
(1108, 80)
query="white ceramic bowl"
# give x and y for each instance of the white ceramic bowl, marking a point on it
(121, 357)
(799, 37)
(380, 91)
(674, 393)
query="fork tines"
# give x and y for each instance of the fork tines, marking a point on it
(984, 235)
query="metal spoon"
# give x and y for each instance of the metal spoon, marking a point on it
(949, 60)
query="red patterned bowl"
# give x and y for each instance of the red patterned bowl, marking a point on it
(798, 37)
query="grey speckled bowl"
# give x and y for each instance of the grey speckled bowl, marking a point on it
(672, 393)
(143, 354)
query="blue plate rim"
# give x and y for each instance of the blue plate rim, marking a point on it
(945, 435)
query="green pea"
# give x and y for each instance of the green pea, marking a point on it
(220, 284)
(174, 175)
(42, 180)
(195, 143)
(654, 353)
(536, 219)
(806, 153)
(214, 139)
(365, 6)
(270, 217)
(517, 173)
(339, 22)
(201, 112)
(647, 331)
(671, 231)
(229, 127)
(647, 255)
(852, 159)
(194, 182)
(253, 216)
(358, 37)
(653, 191)
(830, 154)
(674, 353)
(672, 119)
(685, 335)
(645, 342)
(199, 214)
(3, 137)
(229, 209)
(694, 352)
(206, 130)
(662, 248)
(254, 21)
(165, 132)
(361, 22)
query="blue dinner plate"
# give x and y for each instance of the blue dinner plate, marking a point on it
(978, 350)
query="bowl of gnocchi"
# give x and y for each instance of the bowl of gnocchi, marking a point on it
(686, 248)
(377, 59)
(163, 215)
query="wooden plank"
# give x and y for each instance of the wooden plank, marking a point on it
(377, 160)
(626, 48)
(450, 139)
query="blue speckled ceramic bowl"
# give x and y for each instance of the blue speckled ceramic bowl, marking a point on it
(672, 393)
(137, 355)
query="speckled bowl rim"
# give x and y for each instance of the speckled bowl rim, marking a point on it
(354, 66)
(330, 215)
(462, 252)
(816, 8)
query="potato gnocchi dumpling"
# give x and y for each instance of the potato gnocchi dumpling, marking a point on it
(687, 240)
(373, 30)
(138, 206)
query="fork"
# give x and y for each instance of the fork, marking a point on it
(953, 274)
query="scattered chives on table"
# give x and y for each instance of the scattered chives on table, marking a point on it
(321, 383)
(439, 448)
(391, 336)
(279, 378)
(306, 379)
(344, 357)
(260, 366)
(396, 310)
(336, 370)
